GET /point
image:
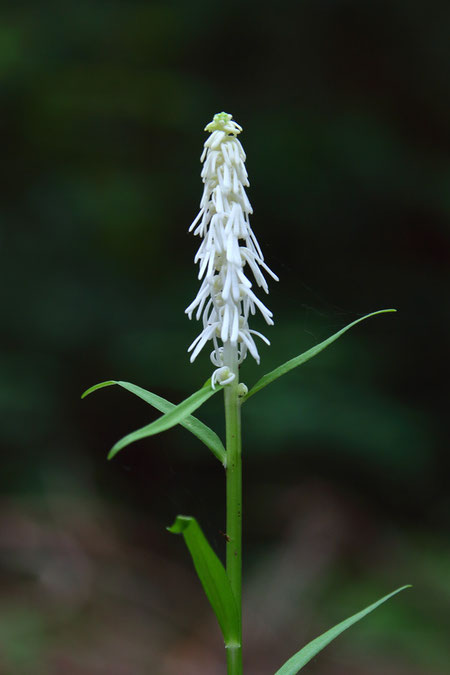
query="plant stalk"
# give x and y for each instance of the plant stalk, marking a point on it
(234, 501)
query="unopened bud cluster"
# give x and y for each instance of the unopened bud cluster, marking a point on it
(226, 299)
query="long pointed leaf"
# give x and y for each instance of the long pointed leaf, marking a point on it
(301, 658)
(194, 425)
(170, 419)
(302, 358)
(212, 576)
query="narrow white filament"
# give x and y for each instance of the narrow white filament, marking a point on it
(226, 299)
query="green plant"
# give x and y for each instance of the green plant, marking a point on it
(225, 303)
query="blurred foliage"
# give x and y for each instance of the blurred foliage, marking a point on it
(345, 113)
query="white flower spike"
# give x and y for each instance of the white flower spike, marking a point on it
(226, 298)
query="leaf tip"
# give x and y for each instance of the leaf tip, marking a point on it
(113, 452)
(180, 524)
(379, 311)
(100, 385)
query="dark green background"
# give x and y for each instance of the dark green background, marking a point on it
(345, 109)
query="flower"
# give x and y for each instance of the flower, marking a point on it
(226, 298)
(222, 376)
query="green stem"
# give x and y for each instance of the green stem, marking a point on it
(234, 660)
(234, 502)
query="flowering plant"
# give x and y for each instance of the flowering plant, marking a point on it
(228, 256)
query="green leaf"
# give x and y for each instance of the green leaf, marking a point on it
(301, 658)
(203, 432)
(212, 575)
(100, 385)
(167, 421)
(302, 358)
